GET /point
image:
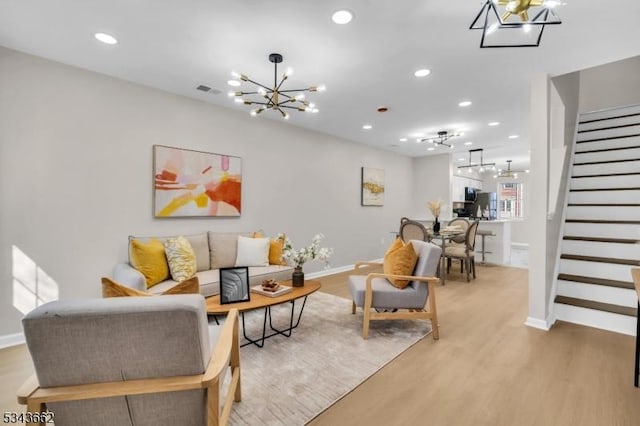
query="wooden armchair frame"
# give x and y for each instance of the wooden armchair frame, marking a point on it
(225, 354)
(369, 315)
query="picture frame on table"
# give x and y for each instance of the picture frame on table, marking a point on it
(234, 285)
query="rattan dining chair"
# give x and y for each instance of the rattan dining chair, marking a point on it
(465, 253)
(412, 230)
(463, 224)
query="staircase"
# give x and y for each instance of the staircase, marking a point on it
(601, 240)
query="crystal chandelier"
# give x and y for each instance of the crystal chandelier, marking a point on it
(274, 98)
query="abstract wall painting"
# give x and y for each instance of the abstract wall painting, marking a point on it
(372, 193)
(191, 183)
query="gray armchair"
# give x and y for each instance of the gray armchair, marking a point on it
(380, 300)
(131, 361)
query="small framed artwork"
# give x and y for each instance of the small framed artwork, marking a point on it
(372, 190)
(234, 285)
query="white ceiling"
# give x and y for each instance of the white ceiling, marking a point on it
(178, 45)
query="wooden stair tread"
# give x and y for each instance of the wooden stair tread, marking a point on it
(604, 189)
(606, 175)
(601, 240)
(610, 118)
(598, 306)
(620, 126)
(604, 221)
(589, 163)
(620, 148)
(603, 205)
(598, 281)
(610, 138)
(613, 260)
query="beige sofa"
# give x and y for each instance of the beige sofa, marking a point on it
(213, 250)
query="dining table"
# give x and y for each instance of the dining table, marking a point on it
(443, 235)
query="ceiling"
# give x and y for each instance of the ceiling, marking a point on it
(178, 45)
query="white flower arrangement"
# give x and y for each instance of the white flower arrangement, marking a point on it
(314, 251)
(434, 207)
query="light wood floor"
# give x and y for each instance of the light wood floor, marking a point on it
(488, 368)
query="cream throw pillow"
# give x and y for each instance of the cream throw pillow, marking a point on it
(252, 251)
(181, 258)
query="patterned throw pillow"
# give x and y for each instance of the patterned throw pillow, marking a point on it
(181, 258)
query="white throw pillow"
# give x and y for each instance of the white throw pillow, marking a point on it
(252, 251)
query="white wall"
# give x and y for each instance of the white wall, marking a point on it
(76, 175)
(610, 85)
(431, 181)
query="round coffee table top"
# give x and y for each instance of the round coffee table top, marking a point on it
(259, 301)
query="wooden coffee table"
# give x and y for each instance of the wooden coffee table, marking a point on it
(259, 301)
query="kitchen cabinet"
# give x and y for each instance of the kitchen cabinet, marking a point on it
(458, 183)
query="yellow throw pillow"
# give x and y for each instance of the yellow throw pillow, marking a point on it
(400, 259)
(276, 247)
(150, 260)
(181, 258)
(111, 288)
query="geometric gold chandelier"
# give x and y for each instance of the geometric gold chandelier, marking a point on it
(274, 98)
(498, 20)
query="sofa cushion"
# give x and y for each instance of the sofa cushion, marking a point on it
(223, 247)
(252, 251)
(181, 258)
(149, 258)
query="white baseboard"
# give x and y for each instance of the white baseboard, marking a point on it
(330, 271)
(9, 340)
(520, 245)
(540, 324)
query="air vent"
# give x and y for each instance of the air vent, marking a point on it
(203, 88)
(208, 89)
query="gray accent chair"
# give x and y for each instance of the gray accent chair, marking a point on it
(131, 361)
(380, 300)
(412, 230)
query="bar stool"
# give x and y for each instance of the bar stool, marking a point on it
(483, 233)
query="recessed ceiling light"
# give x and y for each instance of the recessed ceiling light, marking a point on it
(430, 149)
(422, 72)
(468, 143)
(342, 17)
(462, 159)
(367, 127)
(494, 123)
(417, 135)
(403, 139)
(106, 38)
(464, 103)
(234, 83)
(513, 136)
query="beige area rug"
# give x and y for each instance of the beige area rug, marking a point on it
(291, 380)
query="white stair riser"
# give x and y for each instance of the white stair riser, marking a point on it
(599, 249)
(598, 293)
(606, 168)
(622, 121)
(609, 133)
(609, 113)
(608, 213)
(607, 271)
(604, 197)
(609, 144)
(628, 181)
(622, 154)
(606, 230)
(598, 319)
